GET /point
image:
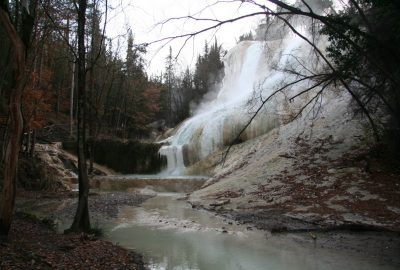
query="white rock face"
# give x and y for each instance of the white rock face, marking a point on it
(54, 170)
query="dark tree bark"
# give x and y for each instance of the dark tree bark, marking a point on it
(82, 221)
(32, 144)
(13, 141)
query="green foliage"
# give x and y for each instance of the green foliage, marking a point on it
(209, 71)
(341, 49)
(180, 91)
(186, 86)
(169, 93)
(127, 100)
(246, 36)
(365, 50)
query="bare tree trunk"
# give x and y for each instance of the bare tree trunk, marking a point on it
(4, 72)
(28, 140)
(13, 141)
(82, 221)
(91, 90)
(71, 109)
(33, 142)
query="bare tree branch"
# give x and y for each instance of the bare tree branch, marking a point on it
(263, 102)
(71, 48)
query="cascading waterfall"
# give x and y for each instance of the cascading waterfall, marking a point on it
(251, 74)
(174, 156)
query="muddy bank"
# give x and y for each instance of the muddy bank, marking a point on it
(41, 214)
(42, 248)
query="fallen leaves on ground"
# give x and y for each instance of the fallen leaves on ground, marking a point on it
(34, 245)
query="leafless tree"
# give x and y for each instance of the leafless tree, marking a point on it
(330, 76)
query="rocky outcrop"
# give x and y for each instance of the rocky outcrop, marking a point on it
(58, 168)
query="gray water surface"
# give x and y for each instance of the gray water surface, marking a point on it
(172, 235)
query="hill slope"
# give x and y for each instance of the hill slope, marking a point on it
(322, 172)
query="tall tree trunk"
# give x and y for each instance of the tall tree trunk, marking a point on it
(71, 107)
(33, 142)
(82, 221)
(13, 142)
(5, 71)
(91, 118)
(28, 141)
(92, 79)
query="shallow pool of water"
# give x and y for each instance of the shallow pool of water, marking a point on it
(172, 235)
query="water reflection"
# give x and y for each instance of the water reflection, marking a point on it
(171, 235)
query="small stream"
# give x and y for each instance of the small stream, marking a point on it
(172, 235)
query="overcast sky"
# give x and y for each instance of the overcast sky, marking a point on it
(145, 16)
